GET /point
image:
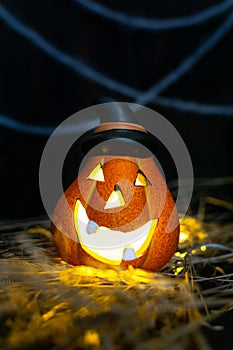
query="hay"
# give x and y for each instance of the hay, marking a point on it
(46, 303)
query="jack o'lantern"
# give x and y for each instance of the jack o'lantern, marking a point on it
(117, 212)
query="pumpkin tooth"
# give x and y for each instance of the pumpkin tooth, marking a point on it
(129, 254)
(92, 226)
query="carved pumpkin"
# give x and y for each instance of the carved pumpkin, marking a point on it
(117, 214)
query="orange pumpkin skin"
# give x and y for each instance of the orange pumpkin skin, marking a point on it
(141, 205)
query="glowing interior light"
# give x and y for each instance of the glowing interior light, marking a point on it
(112, 246)
(97, 173)
(141, 180)
(115, 200)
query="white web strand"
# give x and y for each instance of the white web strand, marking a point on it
(155, 24)
(151, 95)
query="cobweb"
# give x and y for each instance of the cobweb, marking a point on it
(154, 93)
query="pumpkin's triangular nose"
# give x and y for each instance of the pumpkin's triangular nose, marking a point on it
(115, 199)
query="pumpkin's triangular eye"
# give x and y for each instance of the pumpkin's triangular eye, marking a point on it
(97, 173)
(141, 179)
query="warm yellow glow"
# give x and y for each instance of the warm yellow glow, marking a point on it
(203, 248)
(184, 236)
(141, 180)
(148, 239)
(114, 242)
(219, 269)
(191, 234)
(178, 270)
(51, 313)
(115, 200)
(73, 276)
(191, 231)
(97, 173)
(91, 338)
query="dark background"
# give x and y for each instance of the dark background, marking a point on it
(37, 89)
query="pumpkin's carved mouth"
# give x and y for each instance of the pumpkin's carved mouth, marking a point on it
(108, 245)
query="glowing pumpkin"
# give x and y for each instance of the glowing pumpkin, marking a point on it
(121, 211)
